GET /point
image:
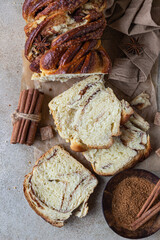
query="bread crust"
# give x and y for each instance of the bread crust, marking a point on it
(75, 57)
(141, 156)
(78, 147)
(45, 7)
(26, 190)
(47, 219)
(125, 117)
(127, 112)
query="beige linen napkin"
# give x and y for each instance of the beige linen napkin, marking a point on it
(134, 16)
(133, 20)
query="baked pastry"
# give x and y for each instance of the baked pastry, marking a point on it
(139, 122)
(141, 101)
(88, 115)
(63, 38)
(34, 9)
(128, 149)
(57, 186)
(75, 57)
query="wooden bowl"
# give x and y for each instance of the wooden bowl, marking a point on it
(107, 204)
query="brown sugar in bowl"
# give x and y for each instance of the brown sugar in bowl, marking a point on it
(107, 201)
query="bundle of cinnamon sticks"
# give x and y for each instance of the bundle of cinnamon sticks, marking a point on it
(28, 112)
(146, 213)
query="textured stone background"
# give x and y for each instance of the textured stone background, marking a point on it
(17, 220)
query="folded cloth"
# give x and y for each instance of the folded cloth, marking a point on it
(139, 65)
(133, 16)
(138, 24)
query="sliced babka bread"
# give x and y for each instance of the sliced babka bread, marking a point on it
(58, 185)
(128, 149)
(88, 115)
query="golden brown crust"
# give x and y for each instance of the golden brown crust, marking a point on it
(91, 30)
(125, 117)
(37, 42)
(33, 9)
(126, 113)
(79, 147)
(76, 57)
(62, 5)
(148, 148)
(141, 156)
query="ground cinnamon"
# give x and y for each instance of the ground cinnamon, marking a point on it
(128, 199)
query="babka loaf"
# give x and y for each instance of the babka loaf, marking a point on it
(57, 186)
(34, 9)
(128, 149)
(88, 115)
(63, 37)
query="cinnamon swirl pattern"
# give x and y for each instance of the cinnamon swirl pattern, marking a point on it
(63, 37)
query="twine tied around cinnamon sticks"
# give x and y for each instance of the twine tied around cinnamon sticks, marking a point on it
(32, 117)
(27, 117)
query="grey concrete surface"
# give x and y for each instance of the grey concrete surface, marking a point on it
(17, 220)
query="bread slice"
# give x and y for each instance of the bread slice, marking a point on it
(128, 149)
(88, 115)
(43, 77)
(57, 185)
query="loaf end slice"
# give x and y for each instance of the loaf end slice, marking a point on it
(57, 186)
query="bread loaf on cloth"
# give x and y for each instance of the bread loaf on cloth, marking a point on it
(88, 115)
(59, 185)
(128, 149)
(63, 37)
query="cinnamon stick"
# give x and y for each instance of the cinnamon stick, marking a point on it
(152, 197)
(26, 109)
(30, 111)
(145, 217)
(20, 108)
(33, 126)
